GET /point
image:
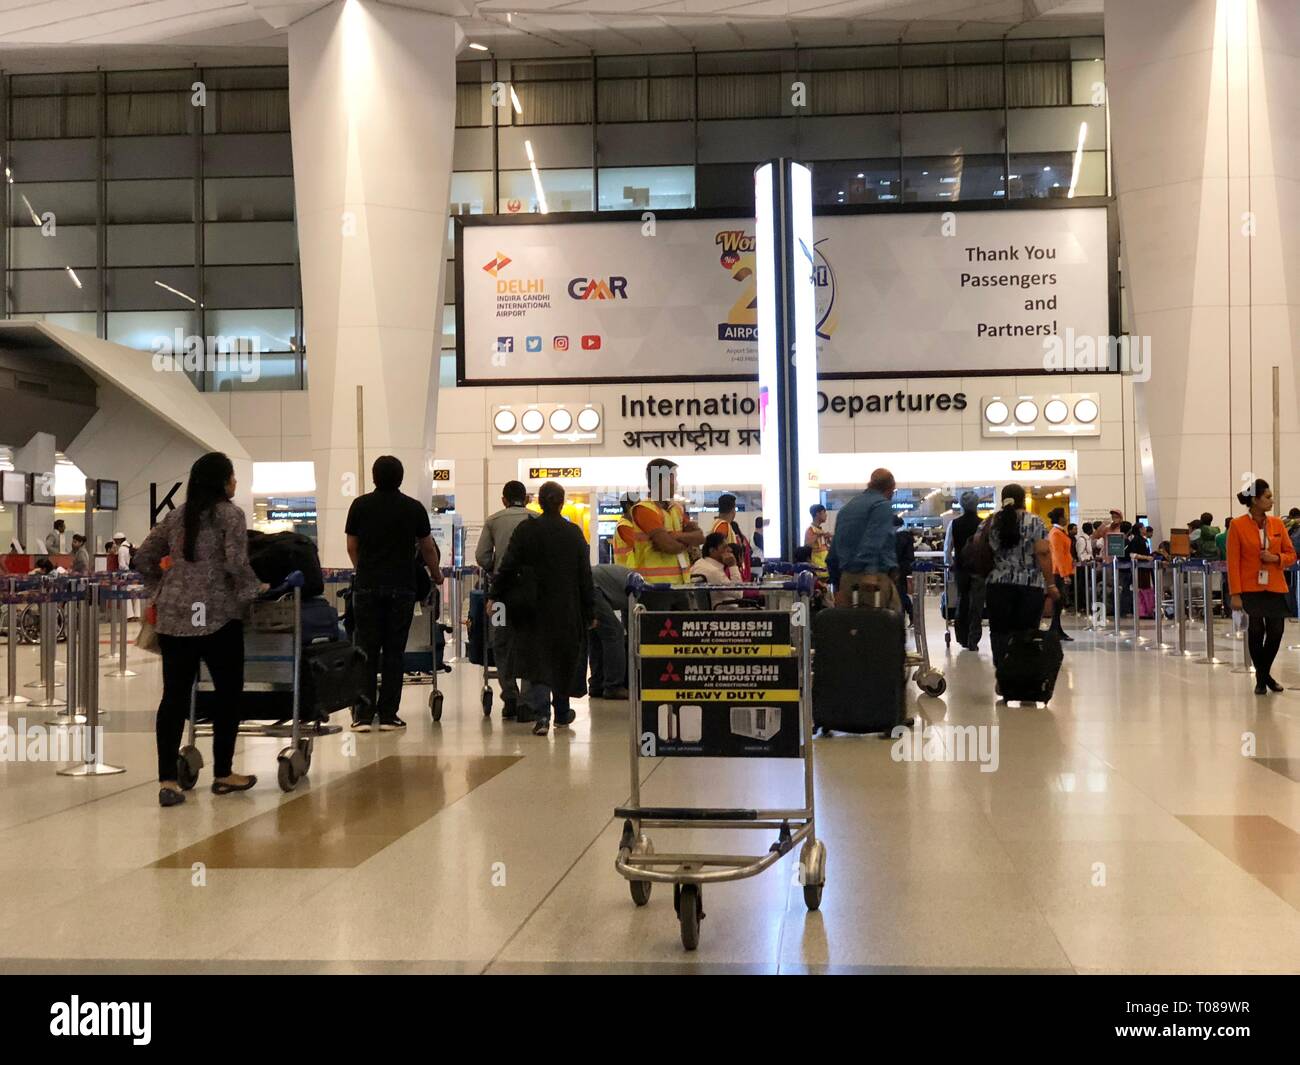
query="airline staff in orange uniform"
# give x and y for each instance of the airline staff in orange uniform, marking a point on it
(1259, 549)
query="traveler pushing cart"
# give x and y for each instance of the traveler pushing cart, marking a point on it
(697, 679)
(273, 664)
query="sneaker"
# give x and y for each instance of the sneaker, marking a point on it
(541, 726)
(361, 726)
(618, 694)
(509, 709)
(565, 722)
(393, 724)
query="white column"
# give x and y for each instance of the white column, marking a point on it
(372, 99)
(1203, 131)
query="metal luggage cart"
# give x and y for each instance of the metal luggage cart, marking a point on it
(928, 678)
(777, 645)
(272, 663)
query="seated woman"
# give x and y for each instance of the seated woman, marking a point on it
(717, 565)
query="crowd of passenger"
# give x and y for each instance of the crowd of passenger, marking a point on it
(557, 625)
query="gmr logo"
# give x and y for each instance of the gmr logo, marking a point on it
(593, 288)
(497, 264)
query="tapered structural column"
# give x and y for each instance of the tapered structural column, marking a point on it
(372, 94)
(1204, 127)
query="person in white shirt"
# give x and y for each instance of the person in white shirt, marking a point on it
(717, 565)
(123, 548)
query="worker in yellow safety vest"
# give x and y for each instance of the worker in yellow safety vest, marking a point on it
(626, 535)
(733, 537)
(817, 538)
(662, 556)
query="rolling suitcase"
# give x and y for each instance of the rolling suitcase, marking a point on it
(1029, 668)
(859, 673)
(333, 678)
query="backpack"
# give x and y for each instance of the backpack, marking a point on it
(976, 556)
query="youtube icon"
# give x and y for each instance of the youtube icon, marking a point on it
(591, 342)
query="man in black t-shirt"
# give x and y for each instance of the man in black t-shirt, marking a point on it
(384, 529)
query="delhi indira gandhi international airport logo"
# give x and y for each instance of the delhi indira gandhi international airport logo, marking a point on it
(497, 264)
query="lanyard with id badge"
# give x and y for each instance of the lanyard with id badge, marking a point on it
(1262, 576)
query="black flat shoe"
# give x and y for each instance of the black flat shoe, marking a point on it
(170, 797)
(1273, 685)
(1261, 688)
(218, 788)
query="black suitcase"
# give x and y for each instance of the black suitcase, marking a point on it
(333, 678)
(1028, 670)
(859, 679)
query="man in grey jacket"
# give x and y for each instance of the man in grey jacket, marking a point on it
(488, 554)
(607, 643)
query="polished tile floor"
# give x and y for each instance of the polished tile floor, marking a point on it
(1148, 822)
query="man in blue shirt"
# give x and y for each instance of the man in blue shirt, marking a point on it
(863, 559)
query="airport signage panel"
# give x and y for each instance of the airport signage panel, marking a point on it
(907, 293)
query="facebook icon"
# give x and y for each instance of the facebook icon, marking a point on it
(505, 344)
(532, 343)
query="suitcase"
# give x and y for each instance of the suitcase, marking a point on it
(1029, 668)
(333, 678)
(478, 647)
(859, 674)
(320, 621)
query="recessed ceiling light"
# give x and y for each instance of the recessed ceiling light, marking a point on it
(532, 420)
(561, 420)
(504, 421)
(1026, 411)
(1086, 410)
(588, 419)
(478, 47)
(1056, 411)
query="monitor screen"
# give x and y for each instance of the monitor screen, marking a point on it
(105, 495)
(13, 487)
(41, 489)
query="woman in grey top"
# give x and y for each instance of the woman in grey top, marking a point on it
(1022, 571)
(195, 568)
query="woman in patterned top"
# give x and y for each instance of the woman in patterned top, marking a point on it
(195, 568)
(1022, 586)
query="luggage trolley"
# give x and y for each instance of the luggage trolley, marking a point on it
(928, 678)
(272, 663)
(777, 645)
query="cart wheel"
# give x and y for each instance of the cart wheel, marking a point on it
(812, 895)
(435, 705)
(640, 891)
(286, 774)
(947, 638)
(690, 908)
(932, 682)
(487, 702)
(305, 747)
(188, 764)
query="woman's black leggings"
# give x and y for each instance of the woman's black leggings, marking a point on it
(1264, 637)
(223, 653)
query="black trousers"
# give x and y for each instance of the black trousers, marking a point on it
(383, 623)
(1059, 607)
(1264, 637)
(223, 653)
(1012, 608)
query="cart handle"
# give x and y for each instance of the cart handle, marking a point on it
(292, 581)
(804, 583)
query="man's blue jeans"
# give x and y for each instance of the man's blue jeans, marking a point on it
(537, 697)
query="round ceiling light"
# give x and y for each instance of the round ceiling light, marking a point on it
(532, 420)
(1026, 411)
(996, 412)
(589, 419)
(1056, 411)
(504, 421)
(1086, 410)
(561, 420)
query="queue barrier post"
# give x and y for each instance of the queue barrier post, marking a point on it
(112, 631)
(1180, 610)
(49, 635)
(1134, 594)
(12, 698)
(122, 595)
(1104, 572)
(1158, 584)
(1115, 594)
(1210, 658)
(92, 764)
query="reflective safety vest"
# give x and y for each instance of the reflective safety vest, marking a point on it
(659, 567)
(622, 550)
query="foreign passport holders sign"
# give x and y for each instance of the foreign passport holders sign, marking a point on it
(719, 684)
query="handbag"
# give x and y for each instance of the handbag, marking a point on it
(976, 556)
(147, 638)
